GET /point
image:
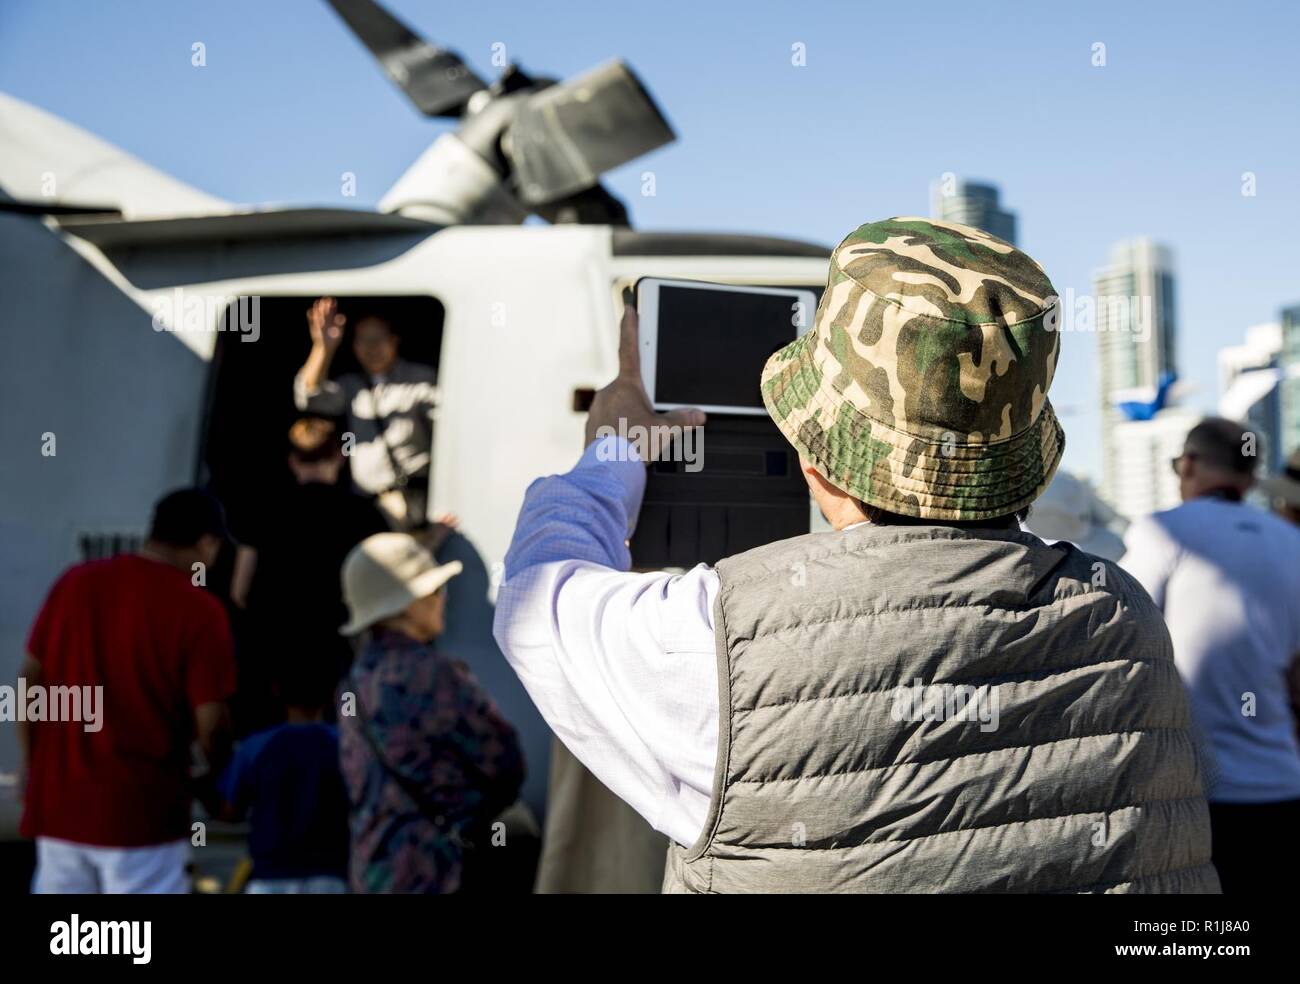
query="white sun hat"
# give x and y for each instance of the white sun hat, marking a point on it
(384, 573)
(1069, 510)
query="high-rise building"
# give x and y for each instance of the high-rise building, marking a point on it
(1289, 363)
(1134, 318)
(1249, 390)
(972, 203)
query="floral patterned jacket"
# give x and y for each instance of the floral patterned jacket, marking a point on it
(435, 724)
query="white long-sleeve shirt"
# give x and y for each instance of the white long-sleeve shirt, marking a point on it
(622, 666)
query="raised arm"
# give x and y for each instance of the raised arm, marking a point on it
(312, 389)
(622, 666)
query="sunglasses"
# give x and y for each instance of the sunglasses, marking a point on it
(1177, 463)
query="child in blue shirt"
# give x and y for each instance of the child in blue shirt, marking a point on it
(286, 780)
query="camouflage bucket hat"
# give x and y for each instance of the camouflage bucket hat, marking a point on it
(922, 389)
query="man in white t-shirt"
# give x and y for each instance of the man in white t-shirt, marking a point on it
(1227, 577)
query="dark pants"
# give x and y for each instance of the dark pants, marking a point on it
(1256, 846)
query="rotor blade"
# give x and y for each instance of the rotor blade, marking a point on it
(17, 207)
(564, 137)
(435, 79)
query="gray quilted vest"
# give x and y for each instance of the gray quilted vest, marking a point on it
(930, 709)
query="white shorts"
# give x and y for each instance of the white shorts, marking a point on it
(65, 868)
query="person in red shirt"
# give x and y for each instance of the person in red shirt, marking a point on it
(108, 800)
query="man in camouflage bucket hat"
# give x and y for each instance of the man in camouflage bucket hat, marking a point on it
(924, 699)
(923, 388)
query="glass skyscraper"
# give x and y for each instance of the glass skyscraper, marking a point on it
(974, 204)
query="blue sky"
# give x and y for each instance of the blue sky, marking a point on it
(892, 95)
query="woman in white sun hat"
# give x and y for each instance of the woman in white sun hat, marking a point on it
(427, 758)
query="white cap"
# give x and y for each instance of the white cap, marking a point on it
(384, 573)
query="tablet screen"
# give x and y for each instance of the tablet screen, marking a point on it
(700, 330)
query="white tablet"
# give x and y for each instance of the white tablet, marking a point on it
(705, 345)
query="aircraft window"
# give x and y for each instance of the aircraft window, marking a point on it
(250, 398)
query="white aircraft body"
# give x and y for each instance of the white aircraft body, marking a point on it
(115, 362)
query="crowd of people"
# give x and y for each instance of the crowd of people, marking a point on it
(362, 757)
(1144, 729)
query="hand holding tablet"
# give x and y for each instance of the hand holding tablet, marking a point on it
(705, 345)
(623, 406)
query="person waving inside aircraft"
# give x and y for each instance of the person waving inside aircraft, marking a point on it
(388, 406)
